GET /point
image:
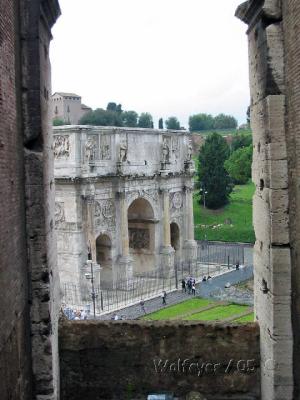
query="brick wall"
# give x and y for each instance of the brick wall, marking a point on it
(120, 360)
(14, 324)
(29, 297)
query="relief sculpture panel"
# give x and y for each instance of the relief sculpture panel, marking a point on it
(105, 214)
(59, 213)
(176, 201)
(91, 148)
(105, 147)
(61, 147)
(139, 238)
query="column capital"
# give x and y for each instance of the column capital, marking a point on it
(120, 194)
(187, 189)
(163, 191)
(89, 198)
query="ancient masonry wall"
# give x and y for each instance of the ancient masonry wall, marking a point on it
(125, 360)
(291, 18)
(15, 380)
(28, 286)
(274, 78)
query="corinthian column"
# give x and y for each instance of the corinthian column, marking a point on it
(190, 244)
(166, 219)
(125, 270)
(124, 226)
(167, 251)
(88, 223)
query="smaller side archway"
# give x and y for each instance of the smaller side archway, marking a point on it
(175, 242)
(104, 258)
(175, 236)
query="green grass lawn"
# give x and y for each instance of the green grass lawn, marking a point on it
(178, 309)
(238, 211)
(217, 313)
(245, 319)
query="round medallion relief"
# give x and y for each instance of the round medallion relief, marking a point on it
(108, 209)
(177, 200)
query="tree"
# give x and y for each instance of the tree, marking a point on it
(145, 120)
(130, 118)
(239, 164)
(111, 106)
(160, 123)
(172, 123)
(248, 115)
(102, 117)
(223, 121)
(58, 122)
(213, 177)
(241, 140)
(201, 122)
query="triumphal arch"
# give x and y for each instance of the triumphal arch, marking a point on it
(127, 194)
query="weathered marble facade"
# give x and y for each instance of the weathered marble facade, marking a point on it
(126, 193)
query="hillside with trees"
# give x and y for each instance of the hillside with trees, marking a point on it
(206, 122)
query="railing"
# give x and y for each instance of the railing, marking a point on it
(212, 259)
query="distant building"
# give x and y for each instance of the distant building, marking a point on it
(68, 107)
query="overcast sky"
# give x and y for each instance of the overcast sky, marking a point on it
(166, 57)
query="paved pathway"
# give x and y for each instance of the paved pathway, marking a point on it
(203, 289)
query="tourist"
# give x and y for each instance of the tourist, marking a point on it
(164, 297)
(142, 304)
(204, 279)
(183, 285)
(237, 265)
(77, 315)
(193, 289)
(190, 285)
(83, 315)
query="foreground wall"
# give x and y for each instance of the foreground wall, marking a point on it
(128, 360)
(28, 284)
(274, 53)
(15, 365)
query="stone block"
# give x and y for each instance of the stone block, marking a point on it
(272, 9)
(266, 61)
(261, 219)
(279, 223)
(275, 59)
(278, 174)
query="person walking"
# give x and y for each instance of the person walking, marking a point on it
(142, 304)
(194, 289)
(190, 285)
(164, 298)
(183, 285)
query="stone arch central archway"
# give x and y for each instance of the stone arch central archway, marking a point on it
(141, 230)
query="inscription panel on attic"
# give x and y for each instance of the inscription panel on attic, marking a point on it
(111, 188)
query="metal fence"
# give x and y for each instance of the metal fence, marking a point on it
(212, 259)
(224, 253)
